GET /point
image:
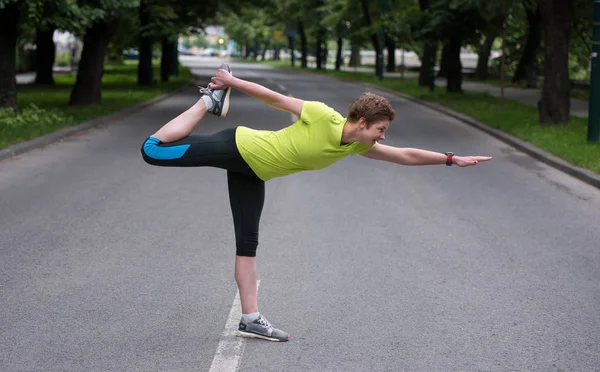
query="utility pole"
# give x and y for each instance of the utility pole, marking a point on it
(594, 110)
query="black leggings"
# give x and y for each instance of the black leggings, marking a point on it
(246, 190)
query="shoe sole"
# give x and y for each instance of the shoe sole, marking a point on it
(226, 103)
(256, 335)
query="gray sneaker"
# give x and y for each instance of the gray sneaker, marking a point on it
(219, 98)
(261, 328)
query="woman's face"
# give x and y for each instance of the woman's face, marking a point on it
(374, 133)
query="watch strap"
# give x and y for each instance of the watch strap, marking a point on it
(449, 156)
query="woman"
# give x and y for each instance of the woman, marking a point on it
(320, 137)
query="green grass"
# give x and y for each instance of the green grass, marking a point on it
(576, 92)
(568, 142)
(45, 109)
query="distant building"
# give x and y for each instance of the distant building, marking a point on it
(213, 33)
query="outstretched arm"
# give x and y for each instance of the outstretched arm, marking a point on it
(279, 101)
(410, 156)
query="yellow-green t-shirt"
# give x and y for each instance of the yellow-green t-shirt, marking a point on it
(312, 142)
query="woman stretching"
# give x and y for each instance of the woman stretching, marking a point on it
(320, 137)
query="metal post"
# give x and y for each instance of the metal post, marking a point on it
(594, 110)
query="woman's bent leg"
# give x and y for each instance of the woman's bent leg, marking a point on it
(246, 196)
(216, 150)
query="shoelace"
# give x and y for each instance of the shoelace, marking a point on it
(264, 322)
(205, 90)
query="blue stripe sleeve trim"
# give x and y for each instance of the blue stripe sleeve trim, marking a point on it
(163, 153)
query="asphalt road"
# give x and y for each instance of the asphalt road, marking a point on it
(110, 264)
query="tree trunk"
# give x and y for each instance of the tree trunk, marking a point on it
(263, 54)
(339, 58)
(303, 46)
(9, 29)
(246, 49)
(319, 50)
(277, 50)
(557, 19)
(374, 39)
(88, 86)
(443, 72)
(483, 60)
(292, 50)
(354, 55)
(145, 70)
(428, 60)
(391, 55)
(527, 63)
(166, 59)
(427, 64)
(255, 47)
(45, 54)
(454, 65)
(174, 70)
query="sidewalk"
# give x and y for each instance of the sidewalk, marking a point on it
(527, 96)
(29, 77)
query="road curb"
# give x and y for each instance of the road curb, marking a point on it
(45, 140)
(582, 174)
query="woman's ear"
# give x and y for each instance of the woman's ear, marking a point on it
(362, 123)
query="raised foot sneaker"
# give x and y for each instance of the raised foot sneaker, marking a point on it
(217, 100)
(261, 328)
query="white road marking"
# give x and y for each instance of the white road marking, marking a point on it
(231, 348)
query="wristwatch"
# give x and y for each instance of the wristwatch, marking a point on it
(449, 156)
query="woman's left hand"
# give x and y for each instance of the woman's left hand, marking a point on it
(221, 80)
(465, 161)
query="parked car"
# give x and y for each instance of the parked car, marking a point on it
(209, 52)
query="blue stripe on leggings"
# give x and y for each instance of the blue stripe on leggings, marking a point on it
(163, 153)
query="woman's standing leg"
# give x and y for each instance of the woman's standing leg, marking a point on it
(247, 196)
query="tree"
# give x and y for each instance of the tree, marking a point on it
(491, 33)
(145, 70)
(47, 16)
(457, 23)
(42, 16)
(102, 25)
(557, 18)
(397, 27)
(376, 41)
(45, 54)
(430, 48)
(10, 13)
(527, 62)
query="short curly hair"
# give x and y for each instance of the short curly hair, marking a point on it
(372, 107)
